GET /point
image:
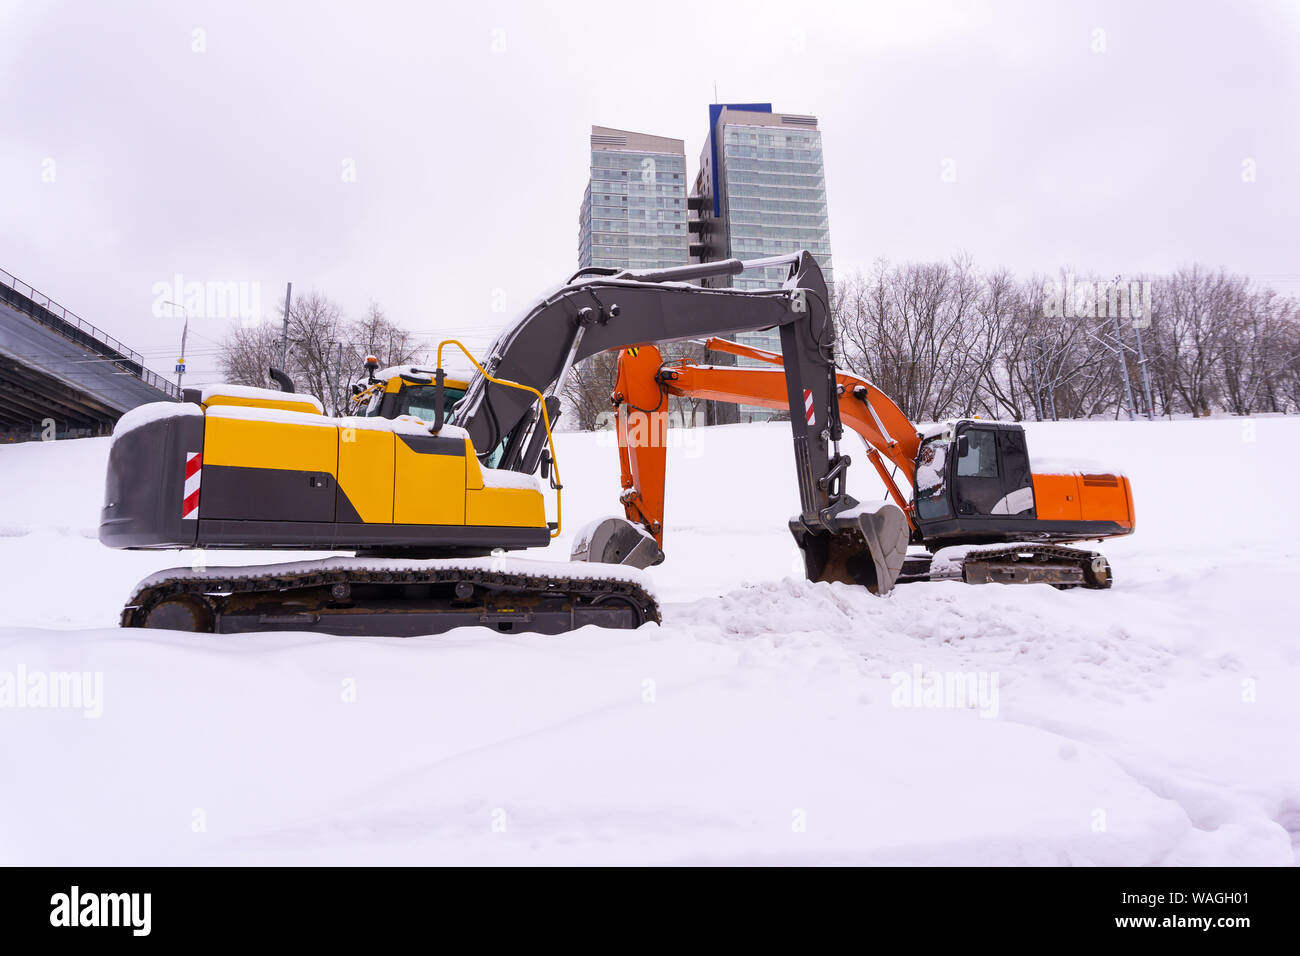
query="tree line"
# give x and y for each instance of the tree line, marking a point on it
(944, 339)
(325, 351)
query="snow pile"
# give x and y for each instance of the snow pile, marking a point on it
(151, 412)
(401, 425)
(260, 413)
(497, 564)
(252, 393)
(769, 720)
(500, 478)
(1076, 466)
(460, 370)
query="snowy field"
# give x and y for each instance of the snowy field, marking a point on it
(768, 720)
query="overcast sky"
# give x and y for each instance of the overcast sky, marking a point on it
(423, 156)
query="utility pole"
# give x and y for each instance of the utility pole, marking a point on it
(340, 393)
(1119, 352)
(185, 332)
(1038, 384)
(1142, 364)
(1049, 379)
(284, 331)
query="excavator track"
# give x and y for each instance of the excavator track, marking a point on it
(1025, 563)
(391, 597)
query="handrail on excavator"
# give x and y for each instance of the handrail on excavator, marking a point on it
(541, 400)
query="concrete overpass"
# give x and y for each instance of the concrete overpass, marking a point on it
(57, 367)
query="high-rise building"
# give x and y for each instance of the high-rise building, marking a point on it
(760, 191)
(634, 211)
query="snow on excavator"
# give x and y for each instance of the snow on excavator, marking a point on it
(435, 477)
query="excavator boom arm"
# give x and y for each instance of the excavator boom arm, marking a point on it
(863, 407)
(604, 309)
(644, 381)
(874, 416)
(596, 312)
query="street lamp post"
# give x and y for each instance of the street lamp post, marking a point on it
(185, 331)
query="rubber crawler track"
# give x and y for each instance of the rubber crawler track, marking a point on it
(584, 589)
(1012, 555)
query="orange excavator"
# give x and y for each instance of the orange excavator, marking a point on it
(975, 510)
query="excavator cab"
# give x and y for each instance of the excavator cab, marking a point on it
(970, 476)
(409, 391)
(973, 469)
(974, 485)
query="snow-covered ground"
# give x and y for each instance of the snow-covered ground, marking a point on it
(768, 720)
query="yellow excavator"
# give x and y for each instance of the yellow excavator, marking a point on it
(433, 479)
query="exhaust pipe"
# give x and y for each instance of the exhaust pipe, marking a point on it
(284, 381)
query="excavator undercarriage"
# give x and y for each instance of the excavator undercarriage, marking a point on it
(392, 597)
(1028, 563)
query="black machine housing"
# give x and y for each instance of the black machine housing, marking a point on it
(986, 463)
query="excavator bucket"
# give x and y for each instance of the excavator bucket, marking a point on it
(615, 541)
(867, 547)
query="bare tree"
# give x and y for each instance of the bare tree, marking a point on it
(942, 339)
(373, 334)
(1194, 308)
(1253, 349)
(588, 389)
(686, 407)
(316, 328)
(1287, 384)
(247, 353)
(917, 332)
(325, 352)
(1010, 384)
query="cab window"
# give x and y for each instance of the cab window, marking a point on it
(931, 472)
(495, 457)
(422, 401)
(980, 457)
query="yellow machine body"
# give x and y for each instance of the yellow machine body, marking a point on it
(271, 471)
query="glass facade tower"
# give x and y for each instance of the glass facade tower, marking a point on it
(761, 191)
(633, 213)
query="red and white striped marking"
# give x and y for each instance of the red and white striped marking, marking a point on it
(193, 475)
(808, 406)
